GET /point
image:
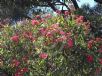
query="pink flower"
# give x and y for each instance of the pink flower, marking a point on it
(70, 43)
(35, 22)
(15, 38)
(43, 55)
(89, 58)
(81, 17)
(62, 32)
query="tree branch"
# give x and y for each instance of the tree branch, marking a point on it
(52, 5)
(99, 1)
(75, 4)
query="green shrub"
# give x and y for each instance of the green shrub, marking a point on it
(52, 46)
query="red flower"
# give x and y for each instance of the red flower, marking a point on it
(20, 72)
(15, 38)
(70, 43)
(49, 34)
(100, 60)
(89, 58)
(38, 16)
(62, 32)
(24, 70)
(35, 22)
(66, 13)
(15, 63)
(43, 55)
(80, 19)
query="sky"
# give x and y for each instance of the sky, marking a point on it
(91, 2)
(81, 2)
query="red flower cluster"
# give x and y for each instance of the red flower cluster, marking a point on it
(15, 38)
(66, 13)
(38, 16)
(70, 43)
(35, 22)
(89, 58)
(43, 55)
(62, 32)
(21, 72)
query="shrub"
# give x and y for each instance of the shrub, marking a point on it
(53, 46)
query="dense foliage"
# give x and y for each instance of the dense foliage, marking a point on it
(94, 15)
(50, 46)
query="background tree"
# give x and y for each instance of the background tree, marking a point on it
(18, 8)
